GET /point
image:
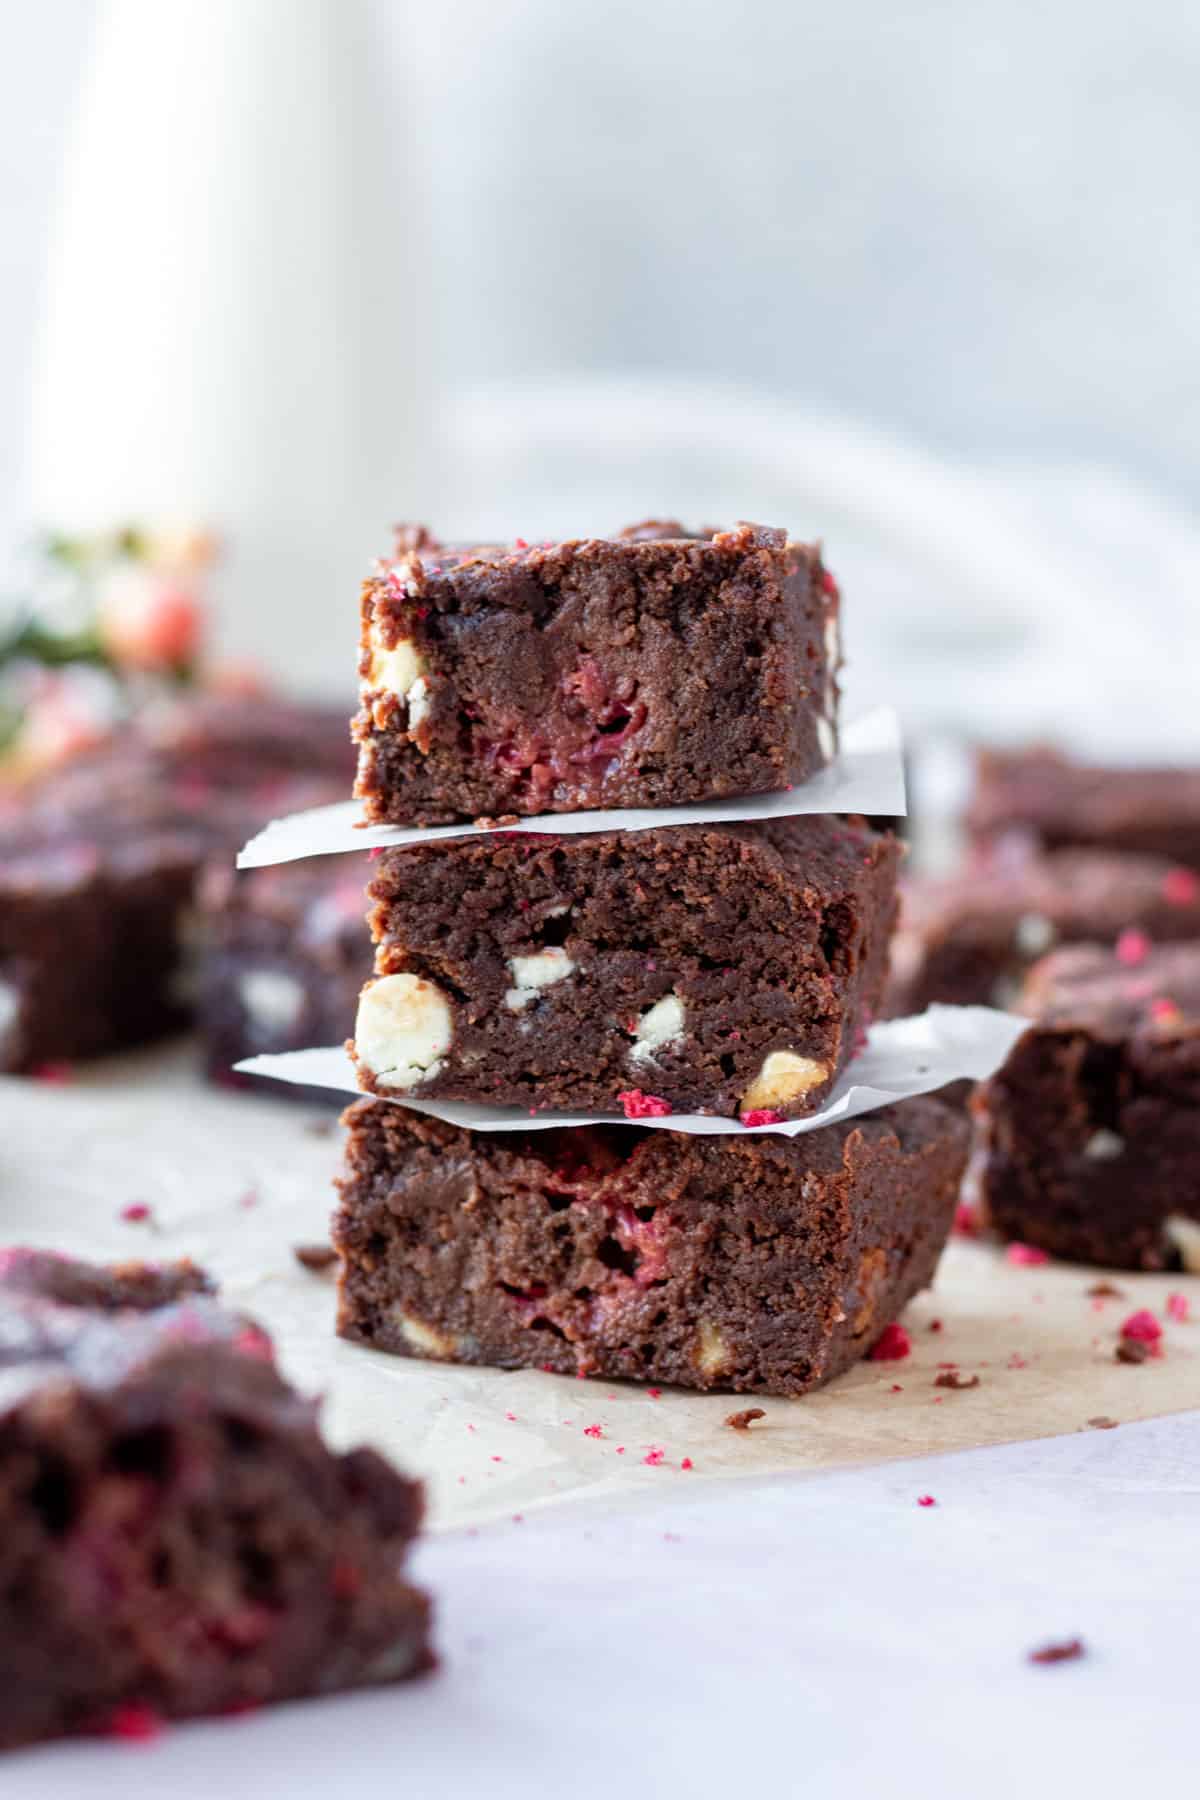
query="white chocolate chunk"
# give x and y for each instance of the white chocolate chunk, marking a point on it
(532, 973)
(10, 1007)
(1103, 1146)
(711, 1353)
(1034, 934)
(423, 1337)
(1184, 1235)
(397, 670)
(404, 1028)
(826, 738)
(783, 1077)
(273, 1001)
(419, 704)
(660, 1025)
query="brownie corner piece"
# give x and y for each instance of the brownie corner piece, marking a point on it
(636, 670)
(756, 1264)
(1089, 1133)
(716, 968)
(175, 1537)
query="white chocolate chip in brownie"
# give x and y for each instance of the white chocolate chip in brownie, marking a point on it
(272, 1000)
(424, 1338)
(1034, 934)
(711, 1354)
(1104, 1146)
(783, 1077)
(395, 671)
(1183, 1234)
(826, 738)
(419, 703)
(404, 1028)
(661, 1025)
(10, 1008)
(532, 973)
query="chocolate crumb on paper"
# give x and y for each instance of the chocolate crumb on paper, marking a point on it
(953, 1378)
(742, 1421)
(316, 1257)
(1070, 1650)
(1101, 1423)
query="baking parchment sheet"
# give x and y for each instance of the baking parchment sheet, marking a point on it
(867, 777)
(901, 1058)
(238, 1180)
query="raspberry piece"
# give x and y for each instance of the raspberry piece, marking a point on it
(1025, 1256)
(762, 1115)
(1142, 1328)
(636, 1105)
(893, 1346)
(1181, 887)
(136, 1213)
(926, 1500)
(966, 1220)
(134, 1722)
(1179, 1307)
(1132, 948)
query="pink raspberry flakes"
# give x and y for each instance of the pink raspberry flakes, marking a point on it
(1181, 887)
(593, 1431)
(653, 1457)
(1025, 1256)
(1179, 1308)
(253, 1341)
(134, 1722)
(1165, 1011)
(56, 1074)
(136, 1213)
(966, 1220)
(636, 1105)
(926, 1500)
(1142, 1327)
(762, 1115)
(893, 1346)
(687, 1463)
(1132, 948)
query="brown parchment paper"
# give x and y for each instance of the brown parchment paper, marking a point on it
(237, 1181)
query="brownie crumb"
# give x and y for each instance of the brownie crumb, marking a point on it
(320, 1128)
(1070, 1650)
(1132, 1350)
(1104, 1290)
(316, 1257)
(952, 1378)
(1101, 1423)
(742, 1421)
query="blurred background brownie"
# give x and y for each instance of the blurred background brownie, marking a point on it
(648, 669)
(1042, 794)
(764, 1264)
(1089, 1135)
(175, 1537)
(719, 968)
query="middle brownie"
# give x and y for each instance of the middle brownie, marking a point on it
(727, 969)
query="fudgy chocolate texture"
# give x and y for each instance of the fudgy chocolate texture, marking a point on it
(1055, 802)
(648, 669)
(715, 968)
(285, 954)
(174, 1535)
(1089, 1136)
(99, 863)
(971, 939)
(762, 1264)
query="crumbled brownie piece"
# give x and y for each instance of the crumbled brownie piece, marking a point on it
(285, 953)
(1045, 797)
(954, 1378)
(175, 1538)
(970, 939)
(1069, 1651)
(721, 968)
(638, 670)
(746, 1264)
(742, 1421)
(1090, 1132)
(317, 1257)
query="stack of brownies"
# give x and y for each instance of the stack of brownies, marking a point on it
(722, 969)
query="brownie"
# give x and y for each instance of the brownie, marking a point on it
(1044, 796)
(100, 860)
(763, 1264)
(648, 669)
(285, 953)
(717, 968)
(175, 1538)
(1089, 1135)
(970, 939)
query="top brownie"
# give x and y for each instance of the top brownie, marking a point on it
(1044, 796)
(650, 669)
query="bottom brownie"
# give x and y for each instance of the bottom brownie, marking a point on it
(175, 1538)
(765, 1264)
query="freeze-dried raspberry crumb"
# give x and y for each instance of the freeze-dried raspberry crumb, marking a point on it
(742, 1421)
(315, 1256)
(926, 1500)
(1132, 948)
(511, 1417)
(895, 1388)
(1179, 1308)
(593, 1431)
(1180, 887)
(497, 1459)
(636, 1105)
(134, 1722)
(952, 1378)
(1016, 1361)
(1070, 1650)
(1102, 1423)
(654, 1393)
(761, 1115)
(376, 852)
(252, 1340)
(893, 1345)
(966, 1220)
(653, 1456)
(829, 585)
(1142, 1327)
(1025, 1256)
(935, 1325)
(1165, 1011)
(136, 1213)
(687, 1463)
(56, 1074)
